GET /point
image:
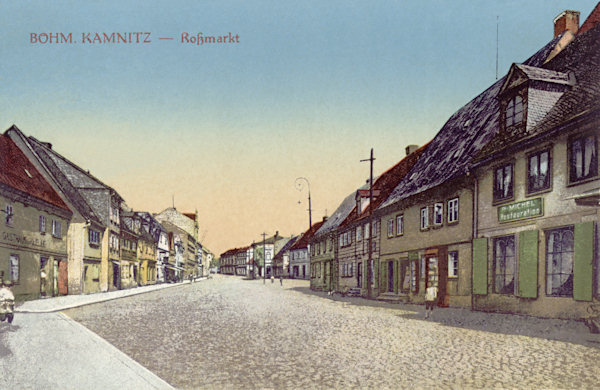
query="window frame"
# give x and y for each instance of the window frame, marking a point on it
(390, 228)
(399, 224)
(495, 259)
(424, 218)
(512, 104)
(549, 287)
(12, 271)
(547, 186)
(453, 211)
(453, 264)
(438, 206)
(42, 224)
(56, 229)
(10, 213)
(594, 164)
(495, 190)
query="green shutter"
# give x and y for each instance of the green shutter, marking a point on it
(583, 261)
(396, 289)
(528, 264)
(480, 266)
(382, 277)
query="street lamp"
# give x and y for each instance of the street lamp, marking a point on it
(300, 187)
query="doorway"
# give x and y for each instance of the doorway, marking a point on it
(390, 281)
(359, 274)
(436, 273)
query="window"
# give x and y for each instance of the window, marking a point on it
(341, 240)
(390, 227)
(367, 231)
(453, 210)
(422, 267)
(538, 171)
(9, 214)
(399, 224)
(504, 265)
(514, 111)
(56, 229)
(93, 237)
(438, 213)
(583, 158)
(424, 218)
(42, 224)
(503, 182)
(351, 271)
(559, 267)
(358, 233)
(414, 281)
(14, 268)
(453, 264)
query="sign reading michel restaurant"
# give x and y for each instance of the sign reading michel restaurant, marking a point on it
(521, 210)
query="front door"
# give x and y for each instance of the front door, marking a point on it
(359, 275)
(390, 281)
(404, 280)
(436, 273)
(63, 280)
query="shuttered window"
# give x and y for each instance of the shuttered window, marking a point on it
(583, 261)
(559, 262)
(480, 266)
(528, 264)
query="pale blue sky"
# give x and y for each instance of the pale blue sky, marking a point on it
(310, 88)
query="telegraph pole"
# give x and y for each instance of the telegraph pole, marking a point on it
(368, 273)
(264, 258)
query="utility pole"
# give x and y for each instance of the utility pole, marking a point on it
(264, 258)
(369, 264)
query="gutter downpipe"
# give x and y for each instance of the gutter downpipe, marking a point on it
(475, 227)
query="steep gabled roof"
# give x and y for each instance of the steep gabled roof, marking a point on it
(18, 172)
(286, 247)
(302, 243)
(385, 184)
(582, 58)
(463, 136)
(340, 214)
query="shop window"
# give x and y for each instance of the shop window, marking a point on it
(503, 182)
(504, 265)
(583, 158)
(453, 264)
(14, 268)
(559, 262)
(538, 171)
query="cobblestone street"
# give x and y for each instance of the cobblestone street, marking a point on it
(228, 332)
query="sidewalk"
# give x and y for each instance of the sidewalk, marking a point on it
(54, 304)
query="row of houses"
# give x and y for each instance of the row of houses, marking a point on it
(266, 258)
(66, 232)
(500, 210)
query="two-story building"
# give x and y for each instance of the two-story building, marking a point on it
(33, 228)
(538, 188)
(227, 264)
(281, 260)
(300, 253)
(429, 215)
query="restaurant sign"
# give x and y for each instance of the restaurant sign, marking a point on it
(521, 210)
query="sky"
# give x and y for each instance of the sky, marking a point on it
(305, 90)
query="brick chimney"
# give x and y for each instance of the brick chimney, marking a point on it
(411, 148)
(566, 20)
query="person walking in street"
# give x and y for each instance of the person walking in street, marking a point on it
(280, 280)
(430, 299)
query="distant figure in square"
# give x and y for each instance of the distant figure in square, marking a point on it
(430, 299)
(280, 280)
(272, 279)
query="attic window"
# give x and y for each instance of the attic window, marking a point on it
(514, 111)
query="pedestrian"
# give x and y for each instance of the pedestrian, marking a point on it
(430, 299)
(280, 280)
(272, 279)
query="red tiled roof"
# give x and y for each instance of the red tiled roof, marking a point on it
(592, 20)
(303, 241)
(191, 216)
(18, 172)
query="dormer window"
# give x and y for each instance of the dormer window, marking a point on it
(514, 111)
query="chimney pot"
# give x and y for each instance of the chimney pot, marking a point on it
(411, 148)
(566, 20)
